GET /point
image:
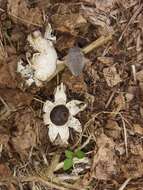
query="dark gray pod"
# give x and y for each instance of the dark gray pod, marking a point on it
(75, 61)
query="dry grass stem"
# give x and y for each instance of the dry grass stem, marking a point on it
(125, 133)
(25, 21)
(110, 99)
(96, 44)
(123, 186)
(134, 73)
(131, 21)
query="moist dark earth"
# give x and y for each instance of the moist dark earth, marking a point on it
(111, 83)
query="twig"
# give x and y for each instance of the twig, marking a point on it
(3, 51)
(54, 183)
(96, 44)
(68, 185)
(84, 130)
(5, 104)
(1, 148)
(7, 110)
(110, 99)
(64, 177)
(134, 73)
(125, 134)
(45, 159)
(131, 20)
(38, 100)
(44, 181)
(25, 21)
(123, 122)
(125, 184)
(85, 143)
(53, 165)
(2, 10)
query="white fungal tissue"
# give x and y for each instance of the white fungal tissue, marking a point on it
(59, 116)
(42, 66)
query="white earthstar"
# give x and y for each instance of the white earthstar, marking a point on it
(59, 115)
(43, 64)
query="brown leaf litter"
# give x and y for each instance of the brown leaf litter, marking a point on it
(19, 11)
(112, 129)
(111, 76)
(98, 18)
(24, 136)
(111, 83)
(104, 160)
(68, 22)
(8, 75)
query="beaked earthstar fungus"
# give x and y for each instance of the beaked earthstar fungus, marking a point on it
(59, 115)
(43, 64)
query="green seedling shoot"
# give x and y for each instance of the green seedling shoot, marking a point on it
(68, 162)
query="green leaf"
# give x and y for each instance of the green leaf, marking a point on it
(69, 154)
(79, 154)
(68, 163)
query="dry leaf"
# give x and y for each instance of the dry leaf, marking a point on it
(8, 76)
(139, 76)
(68, 23)
(6, 79)
(4, 137)
(89, 2)
(25, 141)
(136, 149)
(76, 84)
(3, 54)
(133, 167)
(120, 149)
(20, 12)
(106, 60)
(111, 76)
(112, 129)
(64, 42)
(141, 111)
(105, 5)
(25, 135)
(105, 161)
(129, 97)
(128, 3)
(138, 129)
(120, 103)
(15, 98)
(11, 100)
(4, 171)
(97, 18)
(11, 187)
(91, 72)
